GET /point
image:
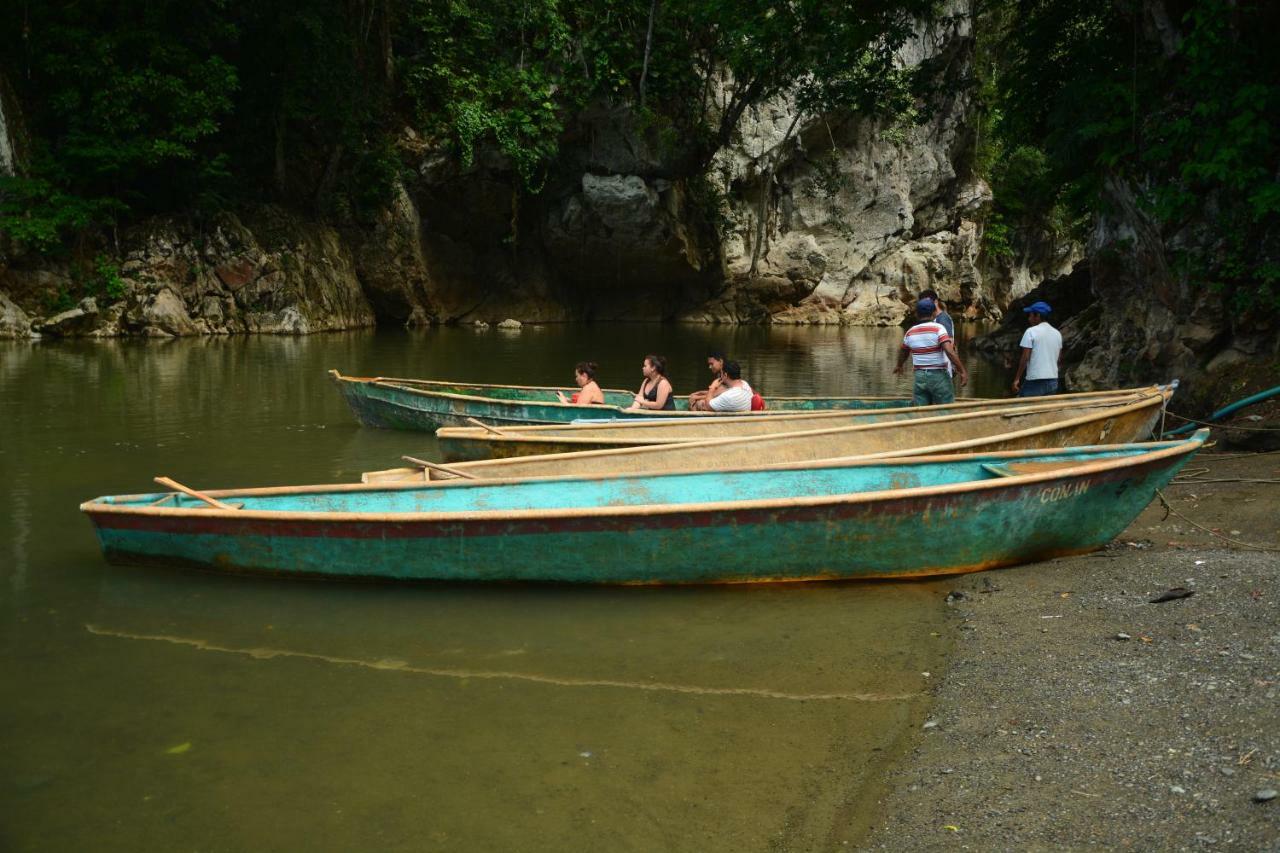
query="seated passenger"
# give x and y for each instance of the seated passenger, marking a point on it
(655, 391)
(736, 396)
(585, 375)
(698, 399)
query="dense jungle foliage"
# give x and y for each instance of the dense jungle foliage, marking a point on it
(134, 109)
(1177, 100)
(138, 108)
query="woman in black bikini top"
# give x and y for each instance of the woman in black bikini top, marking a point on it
(655, 391)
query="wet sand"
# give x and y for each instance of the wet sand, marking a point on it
(1076, 713)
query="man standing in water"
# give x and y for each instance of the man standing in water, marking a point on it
(931, 349)
(940, 314)
(1041, 354)
(941, 317)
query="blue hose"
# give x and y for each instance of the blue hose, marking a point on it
(1234, 407)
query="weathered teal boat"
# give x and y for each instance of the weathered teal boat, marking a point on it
(421, 404)
(881, 519)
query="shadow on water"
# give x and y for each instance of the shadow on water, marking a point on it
(155, 709)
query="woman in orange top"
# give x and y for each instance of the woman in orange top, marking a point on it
(590, 394)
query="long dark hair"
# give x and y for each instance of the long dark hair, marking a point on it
(587, 368)
(659, 364)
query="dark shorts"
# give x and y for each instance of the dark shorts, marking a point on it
(1038, 387)
(932, 388)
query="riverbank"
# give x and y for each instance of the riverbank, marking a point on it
(1075, 712)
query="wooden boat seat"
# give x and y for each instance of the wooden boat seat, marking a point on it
(169, 499)
(1013, 469)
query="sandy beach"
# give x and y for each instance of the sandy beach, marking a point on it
(1075, 712)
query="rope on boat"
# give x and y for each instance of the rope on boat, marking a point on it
(1193, 421)
(1247, 546)
(1219, 457)
(1191, 476)
(1227, 410)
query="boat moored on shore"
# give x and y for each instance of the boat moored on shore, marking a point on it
(1053, 424)
(895, 518)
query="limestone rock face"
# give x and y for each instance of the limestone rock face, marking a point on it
(270, 273)
(14, 322)
(625, 245)
(392, 266)
(830, 219)
(75, 322)
(855, 215)
(1128, 319)
(157, 312)
(1149, 323)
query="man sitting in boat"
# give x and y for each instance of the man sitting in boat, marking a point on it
(655, 391)
(715, 363)
(584, 374)
(736, 393)
(930, 348)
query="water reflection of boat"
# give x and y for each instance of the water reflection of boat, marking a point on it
(421, 404)
(463, 444)
(866, 519)
(1050, 425)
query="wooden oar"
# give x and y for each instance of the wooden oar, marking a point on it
(436, 466)
(484, 425)
(213, 502)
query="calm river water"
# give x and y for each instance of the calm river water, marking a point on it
(171, 710)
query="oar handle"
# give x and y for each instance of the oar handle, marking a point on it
(484, 425)
(436, 466)
(174, 484)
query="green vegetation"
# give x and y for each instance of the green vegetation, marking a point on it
(160, 107)
(1179, 102)
(168, 107)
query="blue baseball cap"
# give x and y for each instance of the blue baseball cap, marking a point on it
(924, 308)
(1040, 308)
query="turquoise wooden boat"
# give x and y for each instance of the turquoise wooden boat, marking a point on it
(420, 404)
(896, 518)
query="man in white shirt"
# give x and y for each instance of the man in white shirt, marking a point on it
(736, 396)
(1041, 354)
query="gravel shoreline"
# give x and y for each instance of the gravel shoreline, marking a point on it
(1076, 713)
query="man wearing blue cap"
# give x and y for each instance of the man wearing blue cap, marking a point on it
(931, 349)
(1041, 354)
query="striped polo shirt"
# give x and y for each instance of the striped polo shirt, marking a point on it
(925, 341)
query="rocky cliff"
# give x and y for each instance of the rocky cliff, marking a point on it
(1128, 317)
(835, 219)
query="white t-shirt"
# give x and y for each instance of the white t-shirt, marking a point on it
(1045, 342)
(736, 399)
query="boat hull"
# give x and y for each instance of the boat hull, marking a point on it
(1046, 426)
(900, 533)
(473, 444)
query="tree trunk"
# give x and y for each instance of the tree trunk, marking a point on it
(648, 45)
(388, 58)
(281, 179)
(330, 173)
(766, 190)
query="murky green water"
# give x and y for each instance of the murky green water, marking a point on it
(167, 710)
